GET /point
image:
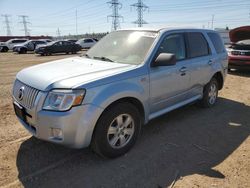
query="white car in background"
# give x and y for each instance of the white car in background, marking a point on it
(86, 42)
(8, 45)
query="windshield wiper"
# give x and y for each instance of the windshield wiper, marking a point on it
(103, 58)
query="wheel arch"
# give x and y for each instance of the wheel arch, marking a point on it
(219, 77)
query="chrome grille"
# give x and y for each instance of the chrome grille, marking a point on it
(28, 96)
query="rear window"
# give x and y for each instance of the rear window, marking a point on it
(88, 40)
(217, 42)
(197, 45)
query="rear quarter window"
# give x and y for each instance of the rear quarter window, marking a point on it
(217, 42)
(197, 45)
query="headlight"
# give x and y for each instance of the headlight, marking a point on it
(63, 100)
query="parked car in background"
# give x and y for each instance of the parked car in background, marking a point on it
(29, 45)
(72, 40)
(86, 43)
(8, 45)
(102, 99)
(58, 47)
(239, 50)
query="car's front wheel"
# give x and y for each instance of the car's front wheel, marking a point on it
(116, 130)
(210, 93)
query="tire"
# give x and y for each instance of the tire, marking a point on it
(22, 51)
(210, 94)
(5, 49)
(109, 140)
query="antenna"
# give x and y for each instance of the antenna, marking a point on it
(25, 24)
(7, 24)
(115, 5)
(140, 7)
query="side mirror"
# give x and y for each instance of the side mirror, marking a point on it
(164, 59)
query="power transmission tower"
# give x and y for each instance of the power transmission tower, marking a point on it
(140, 7)
(7, 24)
(115, 5)
(25, 24)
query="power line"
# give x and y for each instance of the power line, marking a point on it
(115, 5)
(25, 24)
(140, 7)
(7, 24)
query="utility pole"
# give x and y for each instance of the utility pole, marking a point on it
(140, 7)
(25, 24)
(76, 24)
(115, 5)
(212, 25)
(58, 33)
(7, 24)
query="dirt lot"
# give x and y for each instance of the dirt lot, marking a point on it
(196, 147)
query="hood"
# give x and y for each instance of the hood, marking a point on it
(67, 73)
(240, 33)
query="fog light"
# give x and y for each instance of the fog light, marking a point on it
(57, 133)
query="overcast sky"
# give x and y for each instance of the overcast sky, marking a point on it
(45, 16)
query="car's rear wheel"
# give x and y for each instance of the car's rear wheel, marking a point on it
(116, 130)
(210, 93)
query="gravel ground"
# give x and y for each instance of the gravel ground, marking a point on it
(189, 147)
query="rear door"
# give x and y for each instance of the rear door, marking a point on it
(169, 84)
(200, 61)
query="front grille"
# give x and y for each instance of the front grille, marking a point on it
(27, 96)
(246, 53)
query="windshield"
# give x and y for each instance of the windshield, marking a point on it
(128, 47)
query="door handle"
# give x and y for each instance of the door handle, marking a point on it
(183, 69)
(210, 62)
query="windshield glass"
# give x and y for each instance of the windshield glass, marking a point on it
(128, 47)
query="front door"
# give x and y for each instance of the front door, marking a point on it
(169, 84)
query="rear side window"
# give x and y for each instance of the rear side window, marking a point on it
(18, 41)
(217, 42)
(197, 45)
(174, 44)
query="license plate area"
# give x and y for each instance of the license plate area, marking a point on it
(20, 111)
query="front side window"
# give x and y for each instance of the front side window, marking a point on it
(197, 45)
(127, 47)
(174, 44)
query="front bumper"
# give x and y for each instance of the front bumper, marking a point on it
(77, 125)
(239, 62)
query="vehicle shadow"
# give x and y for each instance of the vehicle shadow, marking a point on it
(186, 141)
(244, 73)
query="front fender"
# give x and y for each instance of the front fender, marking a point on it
(103, 96)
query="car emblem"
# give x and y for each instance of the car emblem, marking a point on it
(21, 93)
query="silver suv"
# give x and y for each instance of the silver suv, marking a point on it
(103, 98)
